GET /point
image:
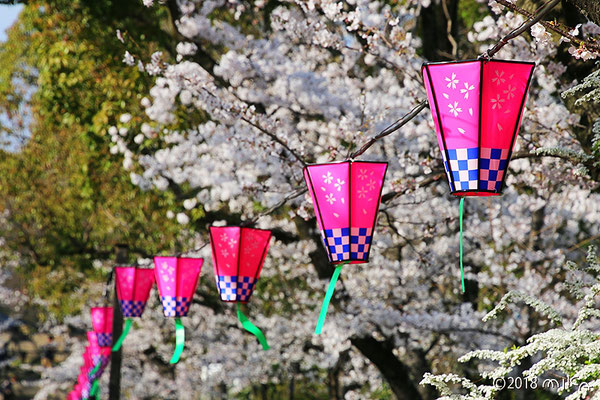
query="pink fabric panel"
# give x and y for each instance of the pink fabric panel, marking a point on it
(254, 246)
(165, 269)
(456, 88)
(432, 107)
(330, 193)
(188, 271)
(125, 282)
(225, 241)
(92, 339)
(366, 183)
(102, 319)
(144, 280)
(312, 196)
(505, 84)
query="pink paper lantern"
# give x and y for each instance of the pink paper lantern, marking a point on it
(477, 106)
(346, 199)
(238, 254)
(133, 289)
(176, 279)
(102, 321)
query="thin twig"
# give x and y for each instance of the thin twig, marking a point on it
(522, 28)
(392, 128)
(551, 26)
(296, 193)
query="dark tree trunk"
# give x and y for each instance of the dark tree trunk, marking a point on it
(589, 8)
(394, 371)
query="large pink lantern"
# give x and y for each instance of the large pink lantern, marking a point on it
(238, 256)
(177, 279)
(102, 322)
(477, 106)
(133, 289)
(346, 199)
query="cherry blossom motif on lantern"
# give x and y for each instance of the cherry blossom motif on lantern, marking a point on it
(476, 145)
(238, 257)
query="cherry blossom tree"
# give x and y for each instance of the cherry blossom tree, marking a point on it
(284, 84)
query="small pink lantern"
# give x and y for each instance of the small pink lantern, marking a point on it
(238, 257)
(177, 279)
(102, 321)
(133, 289)
(477, 106)
(346, 198)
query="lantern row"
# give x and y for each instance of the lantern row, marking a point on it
(477, 107)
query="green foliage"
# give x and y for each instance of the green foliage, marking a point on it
(67, 201)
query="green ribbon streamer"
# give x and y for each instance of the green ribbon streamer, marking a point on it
(462, 273)
(328, 296)
(250, 327)
(95, 390)
(179, 341)
(117, 345)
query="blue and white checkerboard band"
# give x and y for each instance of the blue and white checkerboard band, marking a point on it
(471, 173)
(348, 243)
(175, 306)
(132, 308)
(104, 339)
(235, 288)
(492, 167)
(337, 241)
(463, 165)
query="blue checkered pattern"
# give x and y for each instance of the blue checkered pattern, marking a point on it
(104, 339)
(337, 241)
(463, 165)
(492, 164)
(132, 308)
(348, 243)
(175, 306)
(235, 288)
(360, 241)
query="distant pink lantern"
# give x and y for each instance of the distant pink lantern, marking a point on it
(102, 322)
(238, 257)
(133, 289)
(346, 198)
(177, 279)
(477, 106)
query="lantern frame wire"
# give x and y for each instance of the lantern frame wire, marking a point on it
(316, 205)
(479, 191)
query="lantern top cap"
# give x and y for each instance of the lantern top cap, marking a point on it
(425, 64)
(349, 161)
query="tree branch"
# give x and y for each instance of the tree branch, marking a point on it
(392, 128)
(524, 26)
